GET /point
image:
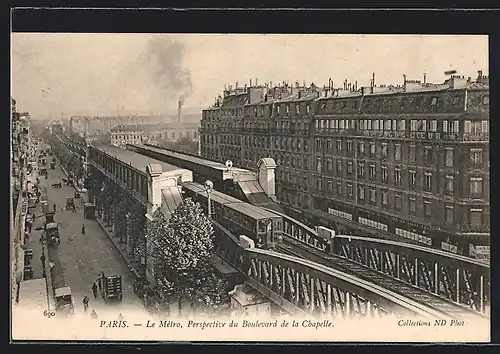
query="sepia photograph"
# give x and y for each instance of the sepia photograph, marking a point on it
(250, 187)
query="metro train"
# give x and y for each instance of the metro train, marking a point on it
(262, 226)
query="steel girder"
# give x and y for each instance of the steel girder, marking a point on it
(304, 287)
(455, 277)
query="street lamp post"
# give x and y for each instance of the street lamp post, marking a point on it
(208, 187)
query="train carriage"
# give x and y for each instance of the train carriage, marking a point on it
(241, 218)
(198, 194)
(246, 219)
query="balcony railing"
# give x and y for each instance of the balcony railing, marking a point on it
(473, 229)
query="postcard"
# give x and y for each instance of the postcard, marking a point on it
(224, 187)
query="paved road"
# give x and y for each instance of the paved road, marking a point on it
(80, 258)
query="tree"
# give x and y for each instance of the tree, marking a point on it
(182, 251)
(120, 210)
(107, 196)
(135, 233)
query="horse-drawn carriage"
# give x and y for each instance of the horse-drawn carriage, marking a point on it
(64, 301)
(70, 204)
(52, 233)
(112, 288)
(89, 211)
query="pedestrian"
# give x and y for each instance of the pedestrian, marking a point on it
(55, 208)
(93, 315)
(85, 303)
(94, 290)
(83, 229)
(42, 258)
(30, 225)
(99, 282)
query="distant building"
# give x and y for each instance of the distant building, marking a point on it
(137, 134)
(247, 302)
(91, 126)
(408, 161)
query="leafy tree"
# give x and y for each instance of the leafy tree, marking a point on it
(140, 249)
(108, 194)
(136, 229)
(182, 252)
(120, 210)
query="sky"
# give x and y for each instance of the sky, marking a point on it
(69, 74)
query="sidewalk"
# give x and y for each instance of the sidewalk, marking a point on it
(38, 248)
(121, 248)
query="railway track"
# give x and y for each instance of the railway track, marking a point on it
(457, 311)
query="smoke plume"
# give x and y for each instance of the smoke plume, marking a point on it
(163, 61)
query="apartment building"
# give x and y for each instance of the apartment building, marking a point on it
(137, 134)
(409, 161)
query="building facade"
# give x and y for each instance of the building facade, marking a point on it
(137, 134)
(91, 126)
(407, 162)
(22, 149)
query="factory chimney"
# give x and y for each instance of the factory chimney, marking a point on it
(179, 110)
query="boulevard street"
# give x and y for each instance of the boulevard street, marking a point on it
(80, 258)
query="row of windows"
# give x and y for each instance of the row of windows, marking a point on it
(374, 196)
(422, 125)
(361, 169)
(173, 135)
(475, 183)
(429, 155)
(291, 144)
(126, 137)
(394, 201)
